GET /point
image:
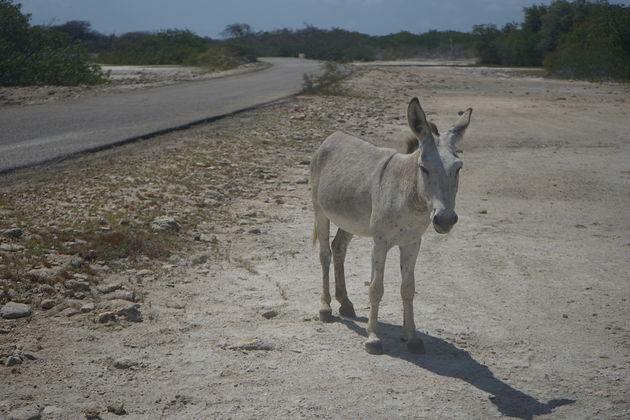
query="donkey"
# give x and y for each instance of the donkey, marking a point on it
(390, 196)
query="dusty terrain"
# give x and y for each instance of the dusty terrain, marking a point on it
(523, 307)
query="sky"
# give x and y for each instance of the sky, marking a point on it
(210, 17)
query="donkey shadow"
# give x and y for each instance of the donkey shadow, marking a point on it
(445, 359)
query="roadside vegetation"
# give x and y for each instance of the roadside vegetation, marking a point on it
(574, 39)
(35, 55)
(329, 81)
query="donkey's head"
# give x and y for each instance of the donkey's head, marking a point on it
(438, 164)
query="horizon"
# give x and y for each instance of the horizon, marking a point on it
(208, 19)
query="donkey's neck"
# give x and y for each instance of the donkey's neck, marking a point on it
(411, 182)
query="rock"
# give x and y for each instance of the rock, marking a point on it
(254, 231)
(131, 313)
(145, 273)
(13, 310)
(208, 202)
(199, 259)
(117, 408)
(165, 224)
(109, 287)
(215, 195)
(125, 364)
(47, 289)
(52, 412)
(88, 307)
(175, 305)
(270, 314)
(15, 233)
(11, 248)
(92, 413)
(68, 312)
(30, 412)
(48, 304)
(209, 238)
(12, 361)
(30, 356)
(7, 350)
(106, 317)
(121, 295)
(44, 275)
(77, 285)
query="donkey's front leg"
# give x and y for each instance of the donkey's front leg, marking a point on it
(373, 344)
(408, 257)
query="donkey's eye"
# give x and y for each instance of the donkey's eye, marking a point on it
(424, 170)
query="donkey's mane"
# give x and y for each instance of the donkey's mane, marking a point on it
(412, 143)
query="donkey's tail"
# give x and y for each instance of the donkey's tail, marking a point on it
(314, 238)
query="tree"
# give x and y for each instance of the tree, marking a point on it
(597, 48)
(39, 55)
(487, 48)
(237, 30)
(80, 30)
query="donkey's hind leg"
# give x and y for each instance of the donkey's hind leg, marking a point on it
(322, 233)
(339, 248)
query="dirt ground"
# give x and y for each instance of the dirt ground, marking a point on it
(523, 307)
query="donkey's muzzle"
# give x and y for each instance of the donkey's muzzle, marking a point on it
(444, 222)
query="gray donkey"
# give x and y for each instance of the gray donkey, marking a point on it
(390, 196)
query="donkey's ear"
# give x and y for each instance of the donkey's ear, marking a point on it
(418, 121)
(462, 123)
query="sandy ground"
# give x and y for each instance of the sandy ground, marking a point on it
(523, 308)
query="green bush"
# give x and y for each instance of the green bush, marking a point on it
(329, 82)
(39, 55)
(164, 47)
(214, 58)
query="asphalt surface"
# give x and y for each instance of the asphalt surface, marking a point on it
(40, 133)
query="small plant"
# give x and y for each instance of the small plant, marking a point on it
(214, 59)
(330, 81)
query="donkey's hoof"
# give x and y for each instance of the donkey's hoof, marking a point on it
(374, 346)
(325, 315)
(415, 346)
(347, 310)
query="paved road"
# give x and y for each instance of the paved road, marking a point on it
(39, 133)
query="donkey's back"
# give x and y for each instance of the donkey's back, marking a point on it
(343, 171)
